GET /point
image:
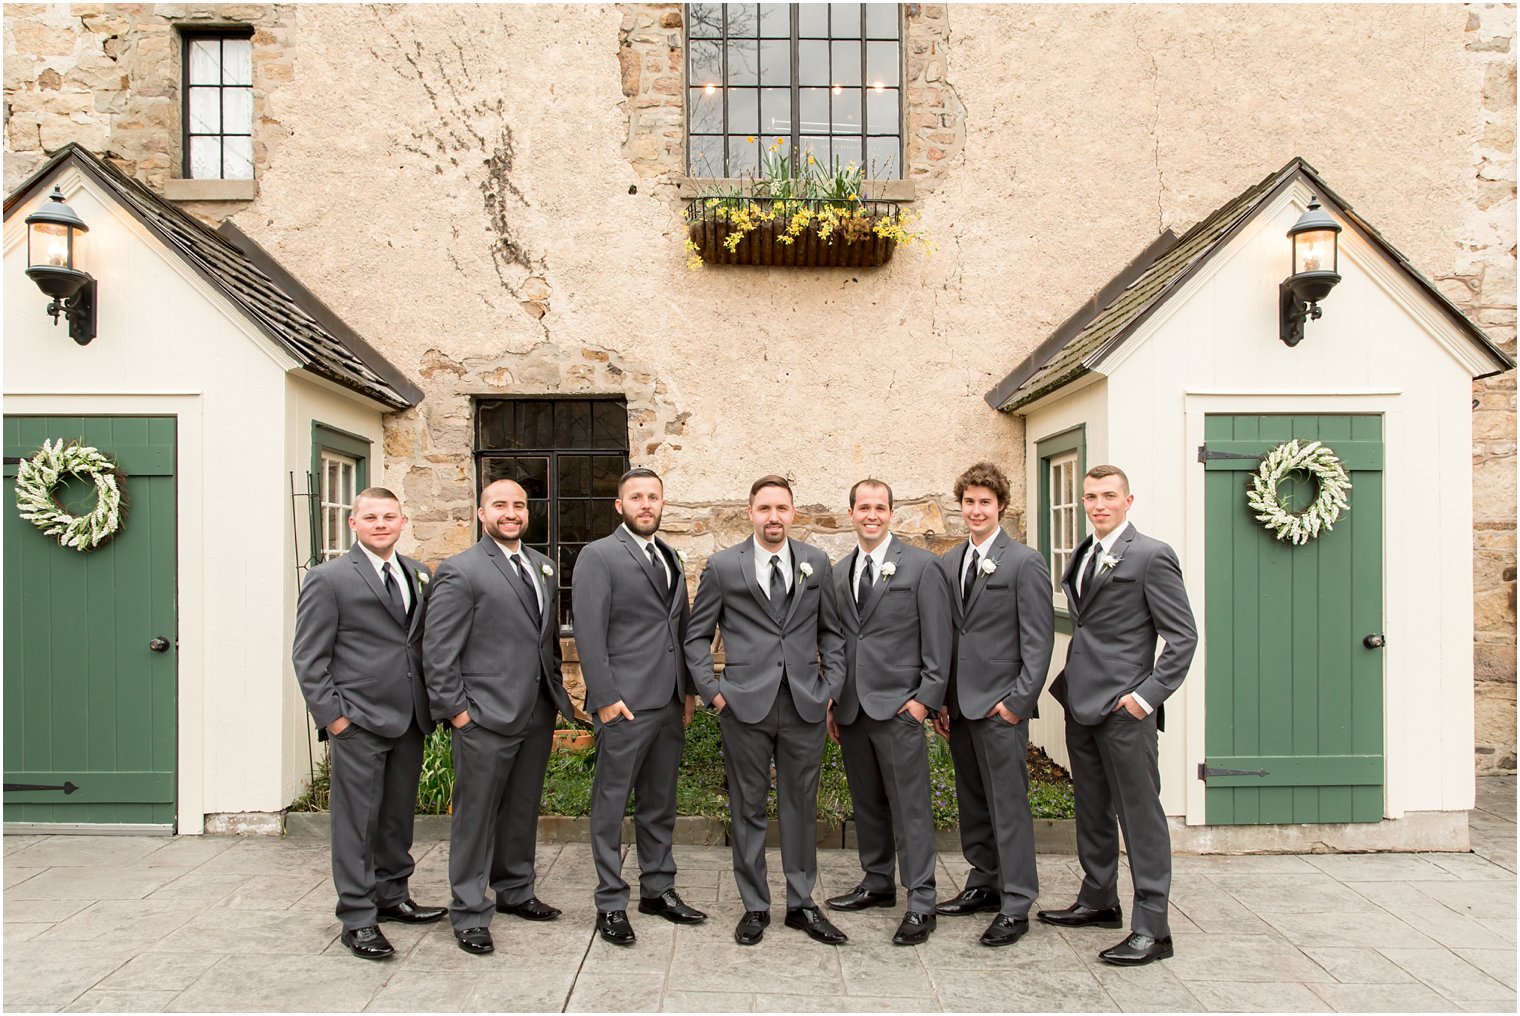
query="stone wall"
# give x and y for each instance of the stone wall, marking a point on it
(489, 195)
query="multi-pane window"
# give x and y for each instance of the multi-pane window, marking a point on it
(218, 106)
(568, 454)
(1065, 511)
(335, 498)
(823, 80)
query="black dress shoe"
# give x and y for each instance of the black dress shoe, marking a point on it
(531, 909)
(1005, 930)
(1078, 916)
(818, 928)
(475, 940)
(914, 929)
(670, 906)
(1137, 950)
(410, 913)
(752, 926)
(970, 901)
(614, 926)
(367, 943)
(861, 898)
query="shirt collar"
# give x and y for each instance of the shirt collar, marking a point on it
(521, 550)
(985, 546)
(376, 561)
(879, 555)
(785, 553)
(1107, 543)
(642, 541)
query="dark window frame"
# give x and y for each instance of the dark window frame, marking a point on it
(325, 437)
(201, 34)
(606, 438)
(796, 134)
(1048, 448)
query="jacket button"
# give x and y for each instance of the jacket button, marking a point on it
(778, 663)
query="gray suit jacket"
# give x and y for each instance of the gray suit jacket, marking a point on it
(628, 632)
(350, 654)
(898, 647)
(806, 645)
(1004, 634)
(1114, 629)
(484, 651)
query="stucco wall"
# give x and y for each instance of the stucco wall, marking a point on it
(480, 192)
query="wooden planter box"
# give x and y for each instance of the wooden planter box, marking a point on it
(761, 247)
(572, 740)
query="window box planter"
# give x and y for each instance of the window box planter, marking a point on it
(774, 232)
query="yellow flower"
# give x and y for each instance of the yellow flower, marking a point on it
(810, 158)
(751, 139)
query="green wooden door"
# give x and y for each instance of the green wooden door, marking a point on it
(1292, 690)
(86, 700)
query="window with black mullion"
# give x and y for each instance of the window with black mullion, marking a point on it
(823, 78)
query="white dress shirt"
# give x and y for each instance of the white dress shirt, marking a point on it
(1106, 546)
(878, 558)
(379, 563)
(538, 589)
(982, 549)
(645, 543)
(763, 565)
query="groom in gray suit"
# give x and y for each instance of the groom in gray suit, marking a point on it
(894, 605)
(773, 598)
(1005, 628)
(358, 656)
(493, 671)
(630, 611)
(1124, 589)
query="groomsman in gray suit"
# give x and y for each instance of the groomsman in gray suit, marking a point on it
(1124, 590)
(358, 656)
(1005, 629)
(894, 605)
(630, 609)
(773, 599)
(493, 671)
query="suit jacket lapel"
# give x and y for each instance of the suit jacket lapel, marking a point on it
(844, 584)
(1121, 545)
(644, 563)
(995, 555)
(678, 586)
(412, 577)
(798, 582)
(1069, 576)
(545, 587)
(367, 573)
(747, 568)
(499, 558)
(879, 587)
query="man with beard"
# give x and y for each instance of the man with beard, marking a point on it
(773, 598)
(493, 671)
(629, 604)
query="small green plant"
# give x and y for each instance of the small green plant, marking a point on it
(435, 789)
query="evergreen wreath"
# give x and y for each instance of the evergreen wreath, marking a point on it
(39, 477)
(1330, 478)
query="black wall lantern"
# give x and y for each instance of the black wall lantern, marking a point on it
(51, 234)
(1316, 258)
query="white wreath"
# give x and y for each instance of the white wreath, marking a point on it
(39, 476)
(1330, 477)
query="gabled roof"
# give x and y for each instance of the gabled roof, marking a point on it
(1086, 339)
(289, 314)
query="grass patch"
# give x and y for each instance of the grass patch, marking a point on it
(701, 786)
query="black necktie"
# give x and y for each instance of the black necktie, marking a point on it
(970, 579)
(864, 589)
(1089, 571)
(528, 586)
(393, 593)
(659, 568)
(778, 585)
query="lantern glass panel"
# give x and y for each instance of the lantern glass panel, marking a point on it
(1314, 251)
(50, 244)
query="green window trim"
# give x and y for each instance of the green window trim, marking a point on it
(341, 442)
(1047, 448)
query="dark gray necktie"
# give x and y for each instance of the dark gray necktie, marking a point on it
(659, 568)
(528, 586)
(393, 593)
(863, 590)
(1089, 572)
(778, 585)
(970, 579)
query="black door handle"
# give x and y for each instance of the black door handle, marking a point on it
(159, 644)
(1375, 641)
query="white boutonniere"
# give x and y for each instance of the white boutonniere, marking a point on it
(806, 570)
(547, 570)
(988, 566)
(888, 569)
(423, 578)
(681, 556)
(1107, 561)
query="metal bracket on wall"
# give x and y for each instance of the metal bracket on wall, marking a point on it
(68, 787)
(1204, 772)
(1204, 455)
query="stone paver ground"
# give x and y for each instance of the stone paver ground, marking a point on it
(110, 924)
